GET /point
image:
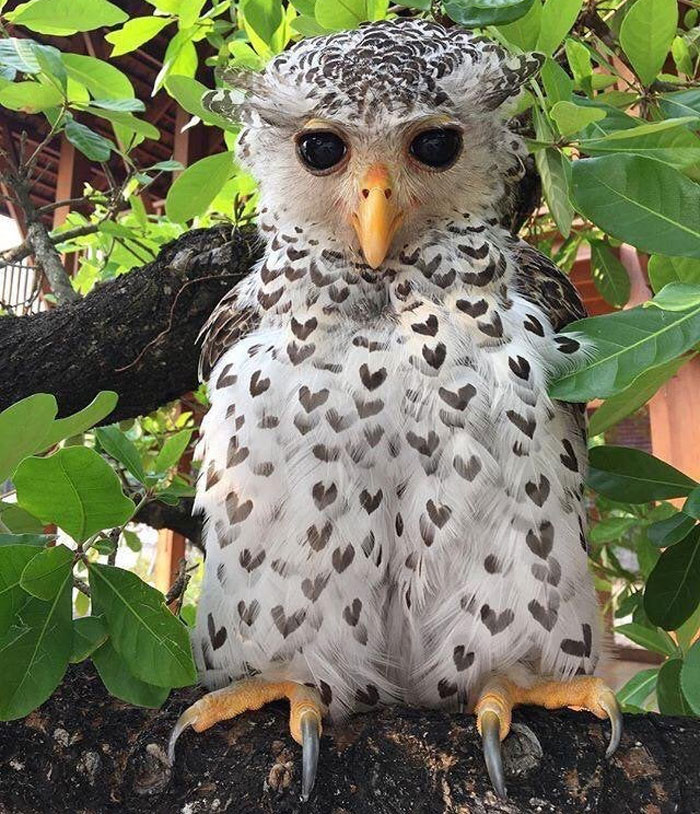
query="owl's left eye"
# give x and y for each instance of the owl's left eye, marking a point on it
(321, 151)
(437, 148)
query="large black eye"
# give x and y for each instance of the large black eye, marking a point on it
(321, 151)
(437, 148)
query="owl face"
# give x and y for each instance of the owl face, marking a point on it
(371, 137)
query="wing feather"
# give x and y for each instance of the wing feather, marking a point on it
(227, 324)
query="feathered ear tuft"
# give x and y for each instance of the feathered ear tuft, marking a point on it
(512, 73)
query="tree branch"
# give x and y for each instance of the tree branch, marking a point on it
(179, 518)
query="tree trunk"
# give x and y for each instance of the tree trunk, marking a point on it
(85, 752)
(135, 335)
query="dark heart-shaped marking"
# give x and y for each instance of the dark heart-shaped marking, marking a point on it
(236, 454)
(326, 692)
(370, 502)
(435, 356)
(526, 425)
(444, 280)
(569, 459)
(430, 267)
(370, 345)
(248, 612)
(237, 512)
(463, 658)
(318, 539)
(338, 294)
(532, 324)
(302, 330)
(492, 564)
(572, 647)
(319, 279)
(427, 328)
(494, 328)
(339, 422)
(298, 353)
(565, 344)
(374, 435)
(226, 379)
(216, 637)
(296, 254)
(547, 617)
(439, 513)
(312, 589)
(213, 475)
(459, 400)
(520, 367)
(538, 492)
(496, 622)
(372, 380)
(325, 453)
(240, 420)
(403, 290)
(476, 253)
(310, 401)
(366, 409)
(250, 562)
(351, 613)
(305, 423)
(369, 696)
(446, 688)
(264, 469)
(549, 572)
(426, 446)
(287, 624)
(293, 274)
(268, 301)
(269, 275)
(541, 544)
(467, 469)
(473, 309)
(341, 559)
(324, 495)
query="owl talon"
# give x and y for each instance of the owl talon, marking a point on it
(608, 703)
(491, 742)
(310, 739)
(188, 717)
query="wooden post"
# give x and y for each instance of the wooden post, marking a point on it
(170, 550)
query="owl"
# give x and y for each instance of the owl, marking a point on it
(393, 503)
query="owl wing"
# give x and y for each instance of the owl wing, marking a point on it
(231, 320)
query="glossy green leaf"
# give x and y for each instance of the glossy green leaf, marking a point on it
(692, 504)
(609, 275)
(571, 118)
(676, 297)
(633, 397)
(34, 654)
(624, 345)
(118, 446)
(91, 144)
(664, 270)
(172, 450)
(30, 97)
(638, 688)
(555, 170)
(23, 428)
(339, 14)
(558, 85)
(681, 103)
(100, 407)
(631, 475)
(643, 202)
(103, 80)
(40, 540)
(524, 31)
(154, 644)
(118, 105)
(122, 683)
(63, 17)
(479, 13)
(650, 638)
(646, 35)
(20, 54)
(44, 574)
(263, 16)
(196, 188)
(579, 59)
(13, 559)
(19, 521)
(669, 694)
(672, 592)
(89, 633)
(672, 530)
(558, 16)
(76, 489)
(134, 33)
(126, 122)
(132, 540)
(690, 677)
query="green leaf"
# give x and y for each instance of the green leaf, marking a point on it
(663, 270)
(338, 14)
(154, 644)
(682, 103)
(118, 446)
(676, 297)
(633, 476)
(640, 201)
(611, 529)
(76, 489)
(524, 31)
(557, 18)
(669, 694)
(13, 559)
(103, 80)
(672, 591)
(91, 144)
(44, 574)
(167, 166)
(263, 16)
(692, 504)
(558, 85)
(34, 654)
(18, 521)
(479, 13)
(172, 450)
(634, 396)
(646, 35)
(555, 170)
(100, 407)
(20, 54)
(40, 540)
(89, 633)
(125, 121)
(132, 540)
(119, 105)
(690, 677)
(122, 683)
(188, 93)
(609, 275)
(63, 17)
(30, 97)
(579, 59)
(650, 638)
(134, 33)
(672, 530)
(23, 427)
(638, 688)
(571, 118)
(196, 188)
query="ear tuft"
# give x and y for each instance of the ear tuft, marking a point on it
(513, 72)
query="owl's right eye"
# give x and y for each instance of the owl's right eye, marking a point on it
(321, 151)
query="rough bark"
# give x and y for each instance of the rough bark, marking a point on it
(135, 335)
(86, 752)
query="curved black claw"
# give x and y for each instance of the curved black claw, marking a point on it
(609, 703)
(186, 719)
(491, 742)
(310, 745)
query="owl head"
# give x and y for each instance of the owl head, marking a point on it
(368, 137)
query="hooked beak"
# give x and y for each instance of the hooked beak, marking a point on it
(376, 218)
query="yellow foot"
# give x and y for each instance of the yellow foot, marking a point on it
(500, 695)
(305, 714)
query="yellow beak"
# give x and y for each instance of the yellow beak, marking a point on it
(376, 218)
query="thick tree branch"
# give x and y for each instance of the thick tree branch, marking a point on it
(178, 518)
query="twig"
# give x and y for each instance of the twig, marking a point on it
(82, 586)
(178, 588)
